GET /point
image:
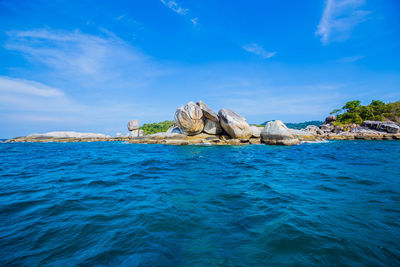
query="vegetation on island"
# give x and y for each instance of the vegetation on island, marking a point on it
(354, 113)
(156, 127)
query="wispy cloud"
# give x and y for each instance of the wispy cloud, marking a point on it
(258, 50)
(350, 59)
(87, 59)
(27, 87)
(339, 18)
(194, 21)
(174, 6)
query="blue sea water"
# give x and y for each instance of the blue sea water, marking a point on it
(118, 204)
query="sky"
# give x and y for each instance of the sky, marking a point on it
(91, 66)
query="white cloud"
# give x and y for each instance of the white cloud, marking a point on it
(174, 6)
(258, 50)
(27, 87)
(339, 18)
(87, 59)
(194, 21)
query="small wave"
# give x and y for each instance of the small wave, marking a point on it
(315, 142)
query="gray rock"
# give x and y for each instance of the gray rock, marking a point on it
(330, 119)
(234, 124)
(212, 127)
(137, 133)
(133, 125)
(314, 130)
(364, 130)
(276, 133)
(189, 119)
(68, 135)
(174, 129)
(387, 126)
(327, 128)
(256, 130)
(208, 112)
(390, 127)
(297, 132)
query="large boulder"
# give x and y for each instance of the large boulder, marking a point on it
(136, 133)
(234, 124)
(207, 111)
(387, 126)
(133, 125)
(212, 127)
(174, 129)
(256, 131)
(189, 119)
(276, 133)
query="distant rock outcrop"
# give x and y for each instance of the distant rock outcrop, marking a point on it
(189, 119)
(276, 133)
(69, 134)
(234, 124)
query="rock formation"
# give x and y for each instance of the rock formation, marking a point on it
(67, 135)
(256, 131)
(212, 127)
(174, 129)
(133, 125)
(234, 124)
(386, 126)
(136, 133)
(276, 133)
(208, 113)
(189, 119)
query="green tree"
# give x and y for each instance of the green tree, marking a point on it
(336, 111)
(352, 105)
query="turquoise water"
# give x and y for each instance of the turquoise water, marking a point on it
(327, 204)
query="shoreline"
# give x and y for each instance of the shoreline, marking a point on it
(206, 139)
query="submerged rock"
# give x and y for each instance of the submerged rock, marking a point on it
(133, 125)
(276, 133)
(234, 124)
(212, 127)
(189, 119)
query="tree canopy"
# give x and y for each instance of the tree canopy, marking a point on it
(156, 127)
(354, 112)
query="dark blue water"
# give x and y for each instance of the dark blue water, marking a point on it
(331, 204)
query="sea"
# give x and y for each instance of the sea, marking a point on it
(117, 204)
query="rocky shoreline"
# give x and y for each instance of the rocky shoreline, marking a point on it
(197, 124)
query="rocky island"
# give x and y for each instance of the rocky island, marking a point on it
(197, 123)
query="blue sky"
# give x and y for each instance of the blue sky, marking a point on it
(93, 65)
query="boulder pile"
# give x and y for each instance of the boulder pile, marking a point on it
(133, 127)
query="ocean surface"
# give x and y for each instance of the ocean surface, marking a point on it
(118, 204)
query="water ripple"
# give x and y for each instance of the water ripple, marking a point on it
(121, 204)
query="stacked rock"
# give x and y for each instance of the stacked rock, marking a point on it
(133, 127)
(192, 119)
